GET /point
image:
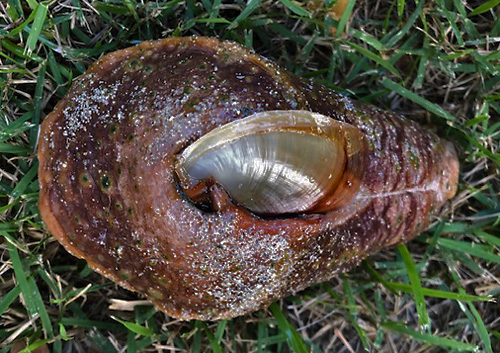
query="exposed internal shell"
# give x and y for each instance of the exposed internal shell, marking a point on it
(276, 162)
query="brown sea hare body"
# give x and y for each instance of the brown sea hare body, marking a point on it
(109, 193)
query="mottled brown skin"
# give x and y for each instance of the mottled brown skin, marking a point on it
(109, 196)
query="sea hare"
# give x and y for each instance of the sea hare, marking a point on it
(203, 176)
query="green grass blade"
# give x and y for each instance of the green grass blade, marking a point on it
(401, 8)
(86, 323)
(23, 184)
(135, 328)
(102, 342)
(452, 21)
(286, 33)
(14, 32)
(423, 317)
(431, 107)
(262, 334)
(368, 39)
(36, 28)
(214, 344)
(22, 279)
(16, 127)
(131, 342)
(32, 4)
(295, 8)
(212, 20)
(345, 18)
(481, 329)
(18, 51)
(9, 298)
(9, 226)
(32, 298)
(196, 346)
(469, 248)
(428, 292)
(430, 339)
(487, 6)
(111, 8)
(131, 8)
(293, 337)
(407, 27)
(33, 346)
(491, 239)
(435, 293)
(378, 59)
(221, 327)
(247, 11)
(15, 9)
(55, 69)
(353, 313)
(37, 104)
(8, 148)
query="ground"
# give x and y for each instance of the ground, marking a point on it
(436, 62)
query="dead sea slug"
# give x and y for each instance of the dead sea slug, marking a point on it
(203, 176)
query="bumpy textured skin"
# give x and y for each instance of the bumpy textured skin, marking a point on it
(108, 193)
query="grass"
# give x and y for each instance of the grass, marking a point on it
(437, 62)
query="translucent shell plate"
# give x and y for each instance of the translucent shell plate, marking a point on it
(277, 162)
